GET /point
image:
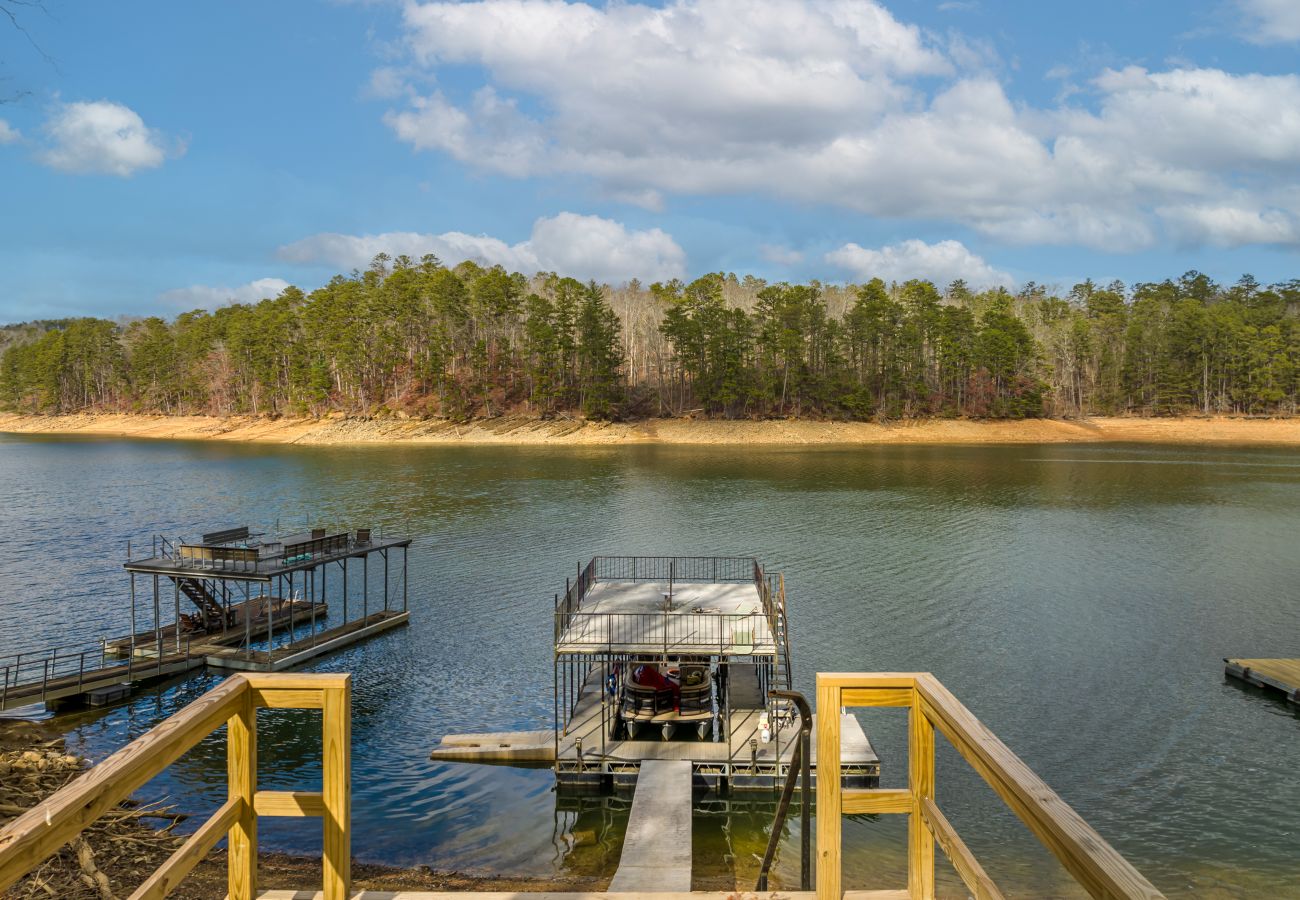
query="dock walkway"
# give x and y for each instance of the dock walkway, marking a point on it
(53, 678)
(657, 847)
(1274, 674)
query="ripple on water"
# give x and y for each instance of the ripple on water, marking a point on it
(1078, 599)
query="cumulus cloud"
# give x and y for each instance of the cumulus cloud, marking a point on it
(942, 262)
(203, 296)
(8, 134)
(569, 244)
(101, 137)
(838, 102)
(1271, 21)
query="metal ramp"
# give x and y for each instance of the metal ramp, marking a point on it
(657, 848)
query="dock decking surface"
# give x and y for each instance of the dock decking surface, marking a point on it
(725, 617)
(1278, 674)
(656, 853)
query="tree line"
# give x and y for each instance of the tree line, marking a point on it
(422, 338)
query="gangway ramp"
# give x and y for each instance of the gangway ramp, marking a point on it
(657, 848)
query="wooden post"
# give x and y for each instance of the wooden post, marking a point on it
(920, 780)
(336, 775)
(241, 770)
(829, 832)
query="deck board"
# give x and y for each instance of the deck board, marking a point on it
(1277, 674)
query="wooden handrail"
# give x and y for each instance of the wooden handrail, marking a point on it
(1094, 863)
(36, 834)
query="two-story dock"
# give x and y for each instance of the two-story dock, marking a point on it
(669, 658)
(230, 599)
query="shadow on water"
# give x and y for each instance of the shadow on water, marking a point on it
(1079, 599)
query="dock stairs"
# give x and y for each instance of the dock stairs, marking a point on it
(657, 847)
(201, 597)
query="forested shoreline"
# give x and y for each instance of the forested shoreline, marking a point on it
(420, 338)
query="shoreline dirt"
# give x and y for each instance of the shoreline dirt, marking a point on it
(524, 430)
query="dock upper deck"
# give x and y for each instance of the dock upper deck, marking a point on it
(237, 555)
(633, 616)
(669, 605)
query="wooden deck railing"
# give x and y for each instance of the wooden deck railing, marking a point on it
(32, 837)
(1098, 868)
(38, 833)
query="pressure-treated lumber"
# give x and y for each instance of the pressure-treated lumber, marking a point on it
(1085, 854)
(876, 800)
(36, 834)
(830, 834)
(920, 781)
(289, 803)
(241, 777)
(191, 853)
(336, 778)
(972, 873)
(32, 837)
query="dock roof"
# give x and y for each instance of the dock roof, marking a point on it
(236, 555)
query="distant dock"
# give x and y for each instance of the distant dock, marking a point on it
(259, 604)
(1281, 675)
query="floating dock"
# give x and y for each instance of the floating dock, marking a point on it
(1281, 675)
(657, 847)
(259, 604)
(668, 659)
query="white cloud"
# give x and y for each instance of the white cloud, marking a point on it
(779, 255)
(838, 102)
(1231, 226)
(203, 296)
(101, 137)
(1271, 21)
(941, 262)
(569, 244)
(8, 134)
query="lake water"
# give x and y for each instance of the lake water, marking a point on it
(1079, 599)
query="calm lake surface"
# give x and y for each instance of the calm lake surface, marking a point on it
(1079, 599)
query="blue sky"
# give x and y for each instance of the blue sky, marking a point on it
(162, 156)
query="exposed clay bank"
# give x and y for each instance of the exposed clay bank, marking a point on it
(526, 430)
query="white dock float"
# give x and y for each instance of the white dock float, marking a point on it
(657, 848)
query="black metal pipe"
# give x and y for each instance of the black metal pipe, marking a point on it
(799, 766)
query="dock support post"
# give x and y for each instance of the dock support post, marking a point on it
(270, 631)
(177, 601)
(345, 590)
(248, 621)
(384, 553)
(324, 592)
(405, 554)
(312, 572)
(133, 625)
(157, 629)
(365, 587)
